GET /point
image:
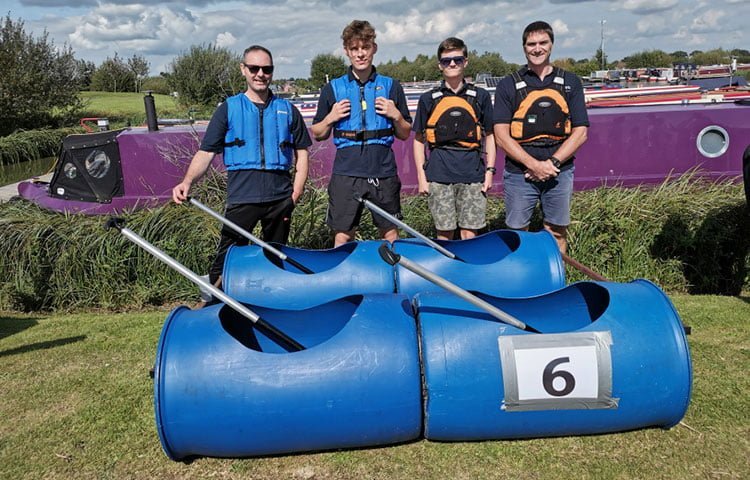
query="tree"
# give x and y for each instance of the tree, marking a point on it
(140, 67)
(38, 84)
(205, 75)
(84, 71)
(113, 75)
(648, 59)
(325, 67)
(712, 57)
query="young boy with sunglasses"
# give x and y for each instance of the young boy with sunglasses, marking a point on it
(259, 181)
(365, 111)
(455, 121)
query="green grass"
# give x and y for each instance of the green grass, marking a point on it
(77, 403)
(121, 106)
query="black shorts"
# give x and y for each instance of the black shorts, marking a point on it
(344, 212)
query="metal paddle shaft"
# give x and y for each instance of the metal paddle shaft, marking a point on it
(393, 258)
(193, 277)
(406, 227)
(265, 246)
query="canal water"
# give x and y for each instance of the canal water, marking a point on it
(16, 172)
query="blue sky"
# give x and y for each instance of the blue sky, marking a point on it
(295, 30)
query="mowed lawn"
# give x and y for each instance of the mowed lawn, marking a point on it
(77, 402)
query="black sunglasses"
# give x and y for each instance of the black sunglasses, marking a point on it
(446, 61)
(267, 69)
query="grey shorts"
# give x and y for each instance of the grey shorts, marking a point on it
(457, 204)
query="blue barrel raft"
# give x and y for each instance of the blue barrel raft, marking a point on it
(254, 276)
(504, 263)
(224, 389)
(611, 357)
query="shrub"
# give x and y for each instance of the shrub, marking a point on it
(39, 81)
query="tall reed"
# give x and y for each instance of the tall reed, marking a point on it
(685, 235)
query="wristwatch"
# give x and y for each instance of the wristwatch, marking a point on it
(555, 161)
(492, 170)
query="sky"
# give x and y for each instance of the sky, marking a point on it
(296, 31)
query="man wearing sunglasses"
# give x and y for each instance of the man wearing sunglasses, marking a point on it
(260, 136)
(540, 122)
(455, 121)
(365, 111)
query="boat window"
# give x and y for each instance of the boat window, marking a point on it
(97, 164)
(70, 170)
(712, 141)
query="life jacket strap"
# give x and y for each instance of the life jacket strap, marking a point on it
(238, 142)
(363, 135)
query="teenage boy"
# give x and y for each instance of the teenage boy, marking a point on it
(259, 182)
(365, 111)
(455, 121)
(540, 122)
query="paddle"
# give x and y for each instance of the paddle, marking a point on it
(406, 227)
(118, 223)
(392, 258)
(583, 268)
(265, 246)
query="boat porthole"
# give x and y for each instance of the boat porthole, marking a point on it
(70, 171)
(97, 164)
(712, 141)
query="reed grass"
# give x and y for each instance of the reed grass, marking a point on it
(686, 235)
(32, 144)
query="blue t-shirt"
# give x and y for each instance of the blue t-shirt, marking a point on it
(366, 160)
(506, 105)
(253, 186)
(454, 166)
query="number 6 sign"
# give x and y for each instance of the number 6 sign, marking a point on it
(566, 371)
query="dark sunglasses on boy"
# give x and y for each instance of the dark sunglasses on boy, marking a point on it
(446, 61)
(267, 69)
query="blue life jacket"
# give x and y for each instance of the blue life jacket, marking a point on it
(242, 143)
(363, 125)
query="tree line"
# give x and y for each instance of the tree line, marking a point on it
(40, 82)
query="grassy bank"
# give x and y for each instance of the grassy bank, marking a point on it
(77, 403)
(124, 107)
(687, 236)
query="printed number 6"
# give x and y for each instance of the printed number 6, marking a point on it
(549, 376)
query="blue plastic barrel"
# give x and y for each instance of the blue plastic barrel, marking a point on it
(611, 357)
(503, 263)
(254, 276)
(223, 389)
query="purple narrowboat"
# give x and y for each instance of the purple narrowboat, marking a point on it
(122, 170)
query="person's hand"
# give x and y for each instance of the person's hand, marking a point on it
(387, 108)
(424, 187)
(340, 110)
(295, 196)
(488, 178)
(541, 171)
(180, 192)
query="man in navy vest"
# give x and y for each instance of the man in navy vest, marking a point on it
(540, 122)
(259, 136)
(365, 111)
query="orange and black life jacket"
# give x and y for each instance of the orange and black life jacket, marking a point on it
(453, 122)
(542, 116)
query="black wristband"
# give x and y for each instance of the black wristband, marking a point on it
(493, 170)
(555, 161)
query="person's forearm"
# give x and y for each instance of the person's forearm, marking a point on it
(301, 171)
(571, 145)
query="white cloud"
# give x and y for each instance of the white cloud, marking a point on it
(225, 39)
(649, 6)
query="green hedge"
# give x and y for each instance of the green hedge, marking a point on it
(686, 236)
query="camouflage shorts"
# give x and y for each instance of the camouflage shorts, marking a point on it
(464, 202)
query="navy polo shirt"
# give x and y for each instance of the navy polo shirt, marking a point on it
(251, 185)
(365, 160)
(506, 105)
(454, 166)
